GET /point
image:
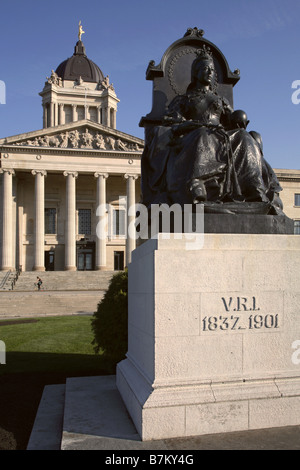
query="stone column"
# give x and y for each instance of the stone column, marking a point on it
(101, 221)
(39, 230)
(70, 230)
(113, 118)
(107, 117)
(55, 114)
(61, 114)
(130, 241)
(74, 109)
(44, 116)
(86, 111)
(99, 115)
(7, 222)
(52, 114)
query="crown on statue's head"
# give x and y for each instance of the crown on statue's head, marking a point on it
(204, 53)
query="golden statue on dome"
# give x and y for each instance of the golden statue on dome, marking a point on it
(80, 31)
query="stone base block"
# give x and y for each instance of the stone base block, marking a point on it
(248, 223)
(207, 408)
(214, 335)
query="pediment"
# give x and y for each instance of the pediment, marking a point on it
(77, 135)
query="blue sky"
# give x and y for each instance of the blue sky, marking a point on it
(259, 37)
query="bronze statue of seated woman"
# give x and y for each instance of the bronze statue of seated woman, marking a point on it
(203, 153)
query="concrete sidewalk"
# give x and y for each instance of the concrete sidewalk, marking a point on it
(88, 414)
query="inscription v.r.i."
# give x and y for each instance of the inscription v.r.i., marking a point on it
(240, 304)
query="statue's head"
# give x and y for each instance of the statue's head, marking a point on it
(203, 68)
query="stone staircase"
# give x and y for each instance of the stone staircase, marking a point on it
(100, 421)
(63, 293)
(64, 280)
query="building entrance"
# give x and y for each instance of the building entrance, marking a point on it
(49, 260)
(118, 260)
(85, 256)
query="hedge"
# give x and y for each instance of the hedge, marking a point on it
(109, 322)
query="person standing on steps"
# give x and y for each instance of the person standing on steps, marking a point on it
(39, 282)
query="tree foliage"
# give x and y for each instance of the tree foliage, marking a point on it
(109, 322)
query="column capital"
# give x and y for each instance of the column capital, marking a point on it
(10, 171)
(71, 173)
(41, 172)
(104, 175)
(130, 175)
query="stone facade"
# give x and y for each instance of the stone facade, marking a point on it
(35, 185)
(290, 183)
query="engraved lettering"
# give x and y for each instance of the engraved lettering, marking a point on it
(227, 306)
(242, 304)
(254, 304)
(240, 322)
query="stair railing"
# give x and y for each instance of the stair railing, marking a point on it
(16, 277)
(5, 278)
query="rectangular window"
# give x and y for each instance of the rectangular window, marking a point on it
(297, 200)
(68, 113)
(118, 260)
(297, 227)
(93, 114)
(84, 221)
(50, 220)
(119, 222)
(80, 113)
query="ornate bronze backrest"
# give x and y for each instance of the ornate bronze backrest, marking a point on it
(173, 75)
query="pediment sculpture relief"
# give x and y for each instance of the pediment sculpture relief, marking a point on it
(85, 139)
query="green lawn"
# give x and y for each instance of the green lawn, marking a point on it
(50, 345)
(41, 352)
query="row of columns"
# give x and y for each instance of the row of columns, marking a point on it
(54, 114)
(70, 233)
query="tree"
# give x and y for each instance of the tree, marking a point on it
(109, 322)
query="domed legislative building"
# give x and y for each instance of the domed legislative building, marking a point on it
(65, 188)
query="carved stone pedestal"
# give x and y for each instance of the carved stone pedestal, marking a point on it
(248, 223)
(214, 335)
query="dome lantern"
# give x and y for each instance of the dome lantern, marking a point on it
(78, 90)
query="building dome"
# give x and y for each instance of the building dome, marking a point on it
(79, 65)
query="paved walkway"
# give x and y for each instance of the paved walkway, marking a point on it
(31, 304)
(89, 414)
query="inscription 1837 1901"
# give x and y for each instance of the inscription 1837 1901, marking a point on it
(240, 313)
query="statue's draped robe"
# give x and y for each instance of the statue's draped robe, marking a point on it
(196, 145)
